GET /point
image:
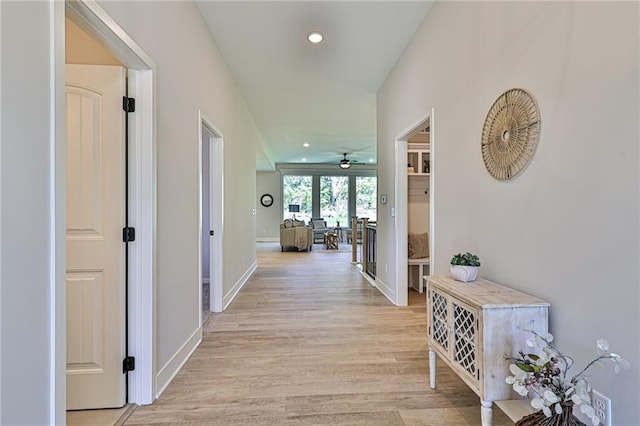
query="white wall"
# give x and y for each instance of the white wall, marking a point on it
(30, 352)
(268, 218)
(418, 204)
(567, 230)
(191, 75)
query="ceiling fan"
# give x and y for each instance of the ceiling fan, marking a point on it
(345, 163)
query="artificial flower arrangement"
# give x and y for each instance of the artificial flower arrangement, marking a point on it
(543, 374)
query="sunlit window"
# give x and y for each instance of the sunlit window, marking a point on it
(334, 200)
(296, 190)
(366, 195)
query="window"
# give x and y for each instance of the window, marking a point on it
(366, 196)
(336, 197)
(296, 190)
(334, 200)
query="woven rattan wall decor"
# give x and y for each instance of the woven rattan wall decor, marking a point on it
(510, 133)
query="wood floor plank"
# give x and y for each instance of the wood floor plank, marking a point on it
(309, 341)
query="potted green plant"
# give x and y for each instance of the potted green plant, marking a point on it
(464, 267)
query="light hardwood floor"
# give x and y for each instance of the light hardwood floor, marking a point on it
(309, 341)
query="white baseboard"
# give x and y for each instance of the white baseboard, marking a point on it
(171, 368)
(267, 239)
(368, 277)
(228, 298)
(384, 288)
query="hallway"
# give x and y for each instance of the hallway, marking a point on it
(309, 341)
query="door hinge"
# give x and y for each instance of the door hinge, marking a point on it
(128, 364)
(128, 104)
(128, 234)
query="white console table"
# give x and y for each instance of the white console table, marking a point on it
(472, 327)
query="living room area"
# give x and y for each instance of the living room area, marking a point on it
(313, 207)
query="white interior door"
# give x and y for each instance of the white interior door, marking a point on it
(95, 251)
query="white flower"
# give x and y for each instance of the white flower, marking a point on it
(620, 362)
(517, 372)
(602, 345)
(543, 358)
(520, 389)
(581, 395)
(550, 387)
(588, 410)
(550, 352)
(550, 397)
(537, 403)
(576, 399)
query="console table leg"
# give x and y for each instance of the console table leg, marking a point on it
(486, 413)
(432, 369)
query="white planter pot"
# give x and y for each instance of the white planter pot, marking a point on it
(464, 273)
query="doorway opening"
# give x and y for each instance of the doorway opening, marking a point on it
(99, 26)
(415, 190)
(211, 174)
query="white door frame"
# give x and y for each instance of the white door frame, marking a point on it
(216, 209)
(88, 15)
(402, 207)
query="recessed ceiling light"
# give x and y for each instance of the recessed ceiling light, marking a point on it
(306, 144)
(304, 159)
(315, 37)
(371, 160)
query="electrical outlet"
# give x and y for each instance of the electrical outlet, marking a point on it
(602, 405)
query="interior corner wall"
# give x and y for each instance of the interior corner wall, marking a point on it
(567, 229)
(191, 75)
(268, 218)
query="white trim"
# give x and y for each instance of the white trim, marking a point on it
(401, 204)
(142, 254)
(205, 281)
(367, 277)
(228, 298)
(216, 210)
(93, 19)
(142, 188)
(381, 285)
(58, 224)
(433, 164)
(177, 361)
(267, 240)
(56, 311)
(397, 295)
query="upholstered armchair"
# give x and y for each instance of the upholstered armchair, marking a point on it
(294, 233)
(319, 227)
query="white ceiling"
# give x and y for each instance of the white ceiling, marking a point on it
(321, 94)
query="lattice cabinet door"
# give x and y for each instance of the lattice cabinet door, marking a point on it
(439, 320)
(465, 338)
